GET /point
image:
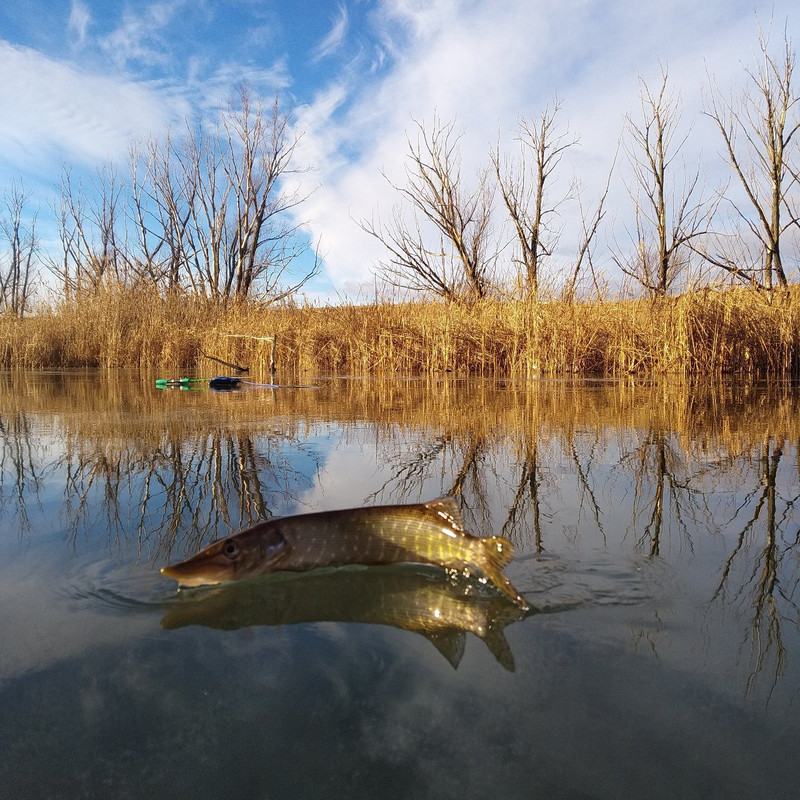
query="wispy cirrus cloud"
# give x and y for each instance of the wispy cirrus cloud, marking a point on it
(140, 37)
(129, 84)
(79, 20)
(215, 89)
(333, 40)
(57, 111)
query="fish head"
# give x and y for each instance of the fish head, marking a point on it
(251, 552)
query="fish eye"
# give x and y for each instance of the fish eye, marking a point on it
(231, 549)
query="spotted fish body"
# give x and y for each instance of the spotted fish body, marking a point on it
(427, 533)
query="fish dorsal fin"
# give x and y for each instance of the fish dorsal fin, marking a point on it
(448, 510)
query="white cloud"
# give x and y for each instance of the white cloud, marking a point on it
(79, 19)
(56, 111)
(213, 91)
(139, 36)
(456, 59)
(333, 40)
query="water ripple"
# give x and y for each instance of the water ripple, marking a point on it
(552, 583)
(110, 587)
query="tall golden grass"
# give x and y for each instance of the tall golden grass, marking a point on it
(709, 332)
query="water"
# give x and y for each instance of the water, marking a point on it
(656, 528)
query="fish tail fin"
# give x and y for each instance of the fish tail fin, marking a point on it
(498, 552)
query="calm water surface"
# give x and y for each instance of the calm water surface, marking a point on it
(656, 529)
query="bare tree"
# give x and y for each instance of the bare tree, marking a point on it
(92, 231)
(589, 227)
(445, 248)
(760, 146)
(160, 213)
(524, 186)
(668, 216)
(17, 267)
(206, 213)
(264, 243)
(210, 212)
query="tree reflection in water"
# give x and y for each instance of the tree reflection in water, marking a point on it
(19, 467)
(761, 571)
(654, 470)
(188, 489)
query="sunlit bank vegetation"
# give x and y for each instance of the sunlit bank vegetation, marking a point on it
(195, 253)
(705, 332)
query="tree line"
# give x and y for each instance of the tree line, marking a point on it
(439, 237)
(207, 211)
(204, 212)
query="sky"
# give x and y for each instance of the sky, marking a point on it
(80, 80)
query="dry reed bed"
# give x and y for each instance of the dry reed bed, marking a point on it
(707, 332)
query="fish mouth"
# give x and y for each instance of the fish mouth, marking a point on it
(191, 575)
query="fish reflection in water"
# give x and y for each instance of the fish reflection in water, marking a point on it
(424, 533)
(440, 606)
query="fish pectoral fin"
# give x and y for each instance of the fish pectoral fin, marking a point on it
(447, 509)
(451, 644)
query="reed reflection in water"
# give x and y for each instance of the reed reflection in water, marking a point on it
(661, 520)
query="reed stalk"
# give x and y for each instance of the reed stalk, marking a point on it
(709, 332)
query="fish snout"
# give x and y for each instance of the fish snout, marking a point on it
(193, 572)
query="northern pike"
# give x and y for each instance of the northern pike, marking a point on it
(426, 533)
(410, 597)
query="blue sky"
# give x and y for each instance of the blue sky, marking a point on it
(81, 79)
